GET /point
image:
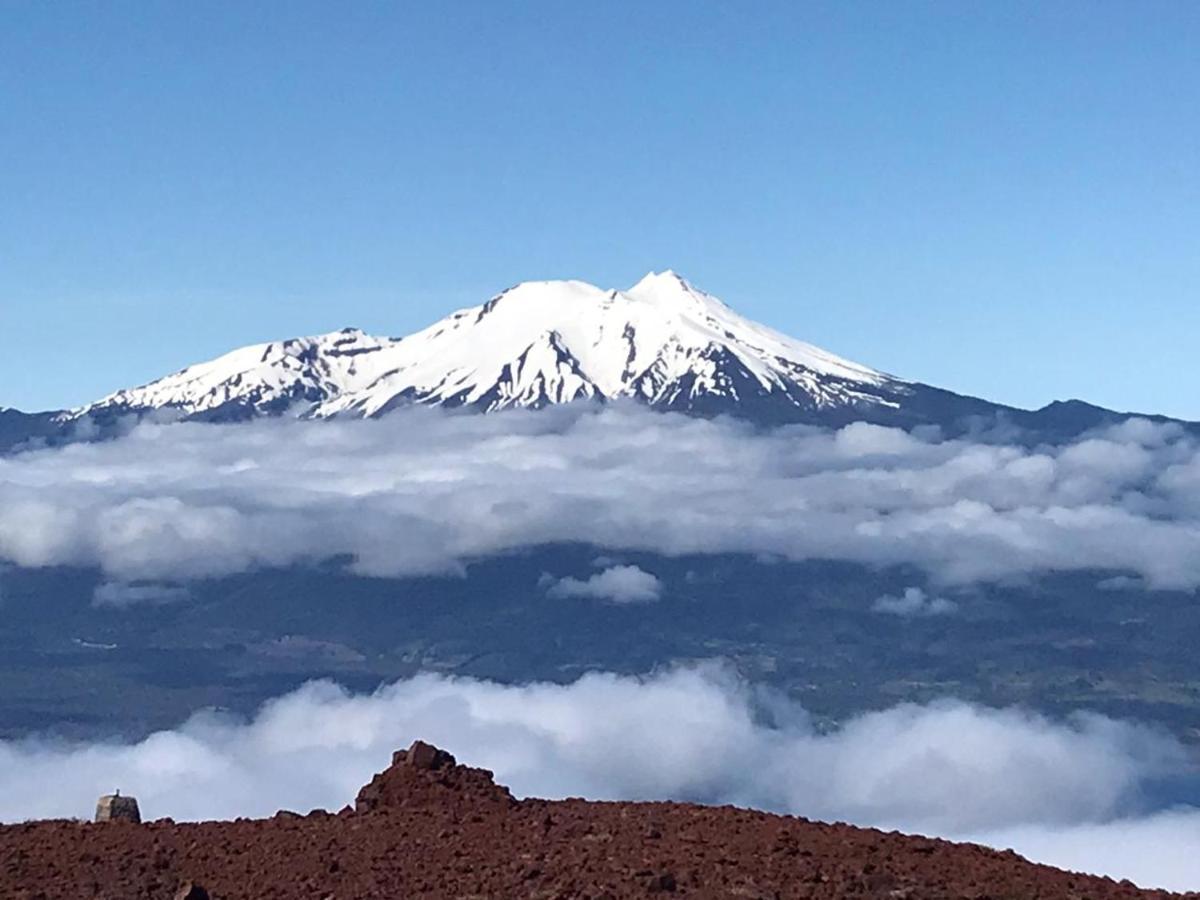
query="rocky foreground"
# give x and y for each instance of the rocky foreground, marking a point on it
(427, 827)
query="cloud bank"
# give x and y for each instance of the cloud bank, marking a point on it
(617, 584)
(1061, 791)
(423, 491)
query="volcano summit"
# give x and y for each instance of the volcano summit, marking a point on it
(663, 343)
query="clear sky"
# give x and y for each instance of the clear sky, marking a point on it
(999, 198)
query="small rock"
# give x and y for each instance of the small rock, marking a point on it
(664, 882)
(189, 890)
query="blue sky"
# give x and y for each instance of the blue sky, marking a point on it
(1002, 199)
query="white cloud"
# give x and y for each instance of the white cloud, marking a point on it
(1050, 787)
(424, 491)
(1150, 851)
(914, 602)
(618, 584)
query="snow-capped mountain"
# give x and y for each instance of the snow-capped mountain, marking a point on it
(662, 342)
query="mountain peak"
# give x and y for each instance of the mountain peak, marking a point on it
(662, 342)
(655, 278)
(664, 287)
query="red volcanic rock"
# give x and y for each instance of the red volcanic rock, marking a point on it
(423, 756)
(427, 827)
(424, 775)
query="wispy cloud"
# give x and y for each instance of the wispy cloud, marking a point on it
(119, 595)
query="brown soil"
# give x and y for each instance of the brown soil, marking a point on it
(427, 827)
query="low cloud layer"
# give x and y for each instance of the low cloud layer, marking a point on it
(1062, 791)
(914, 602)
(616, 584)
(1156, 850)
(422, 491)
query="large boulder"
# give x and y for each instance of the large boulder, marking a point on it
(423, 756)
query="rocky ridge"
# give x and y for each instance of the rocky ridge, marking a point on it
(428, 827)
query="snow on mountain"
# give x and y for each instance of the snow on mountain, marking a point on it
(296, 374)
(662, 342)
